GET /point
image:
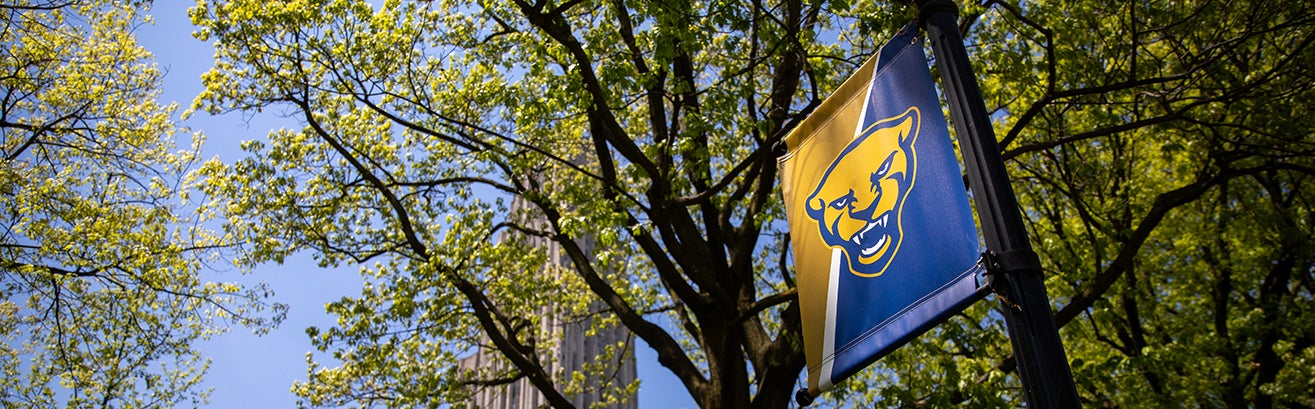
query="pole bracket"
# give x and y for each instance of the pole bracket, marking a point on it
(1012, 261)
(803, 398)
(1006, 263)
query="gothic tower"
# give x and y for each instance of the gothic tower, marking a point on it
(573, 350)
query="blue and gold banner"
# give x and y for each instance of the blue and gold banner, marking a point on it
(884, 242)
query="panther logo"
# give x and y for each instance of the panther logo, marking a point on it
(858, 202)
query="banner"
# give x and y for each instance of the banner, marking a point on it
(884, 242)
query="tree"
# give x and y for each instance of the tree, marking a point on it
(101, 292)
(1166, 178)
(1195, 261)
(1146, 158)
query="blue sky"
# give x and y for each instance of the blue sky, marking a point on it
(251, 371)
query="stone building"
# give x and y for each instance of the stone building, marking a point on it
(574, 349)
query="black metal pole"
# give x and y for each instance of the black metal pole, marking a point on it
(1042, 364)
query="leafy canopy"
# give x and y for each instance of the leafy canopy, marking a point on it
(1158, 149)
(101, 287)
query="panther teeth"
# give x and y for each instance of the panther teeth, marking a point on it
(873, 250)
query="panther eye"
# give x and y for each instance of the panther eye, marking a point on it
(884, 169)
(842, 202)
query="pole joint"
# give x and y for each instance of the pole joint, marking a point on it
(1012, 261)
(926, 8)
(803, 398)
(1003, 266)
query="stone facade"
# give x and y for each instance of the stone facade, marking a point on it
(572, 351)
(571, 354)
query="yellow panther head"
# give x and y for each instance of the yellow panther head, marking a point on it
(858, 202)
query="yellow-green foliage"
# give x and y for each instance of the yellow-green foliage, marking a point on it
(101, 288)
(1161, 152)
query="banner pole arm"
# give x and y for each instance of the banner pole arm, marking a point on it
(1015, 268)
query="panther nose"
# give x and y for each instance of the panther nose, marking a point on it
(865, 210)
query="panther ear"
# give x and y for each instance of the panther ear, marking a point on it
(908, 127)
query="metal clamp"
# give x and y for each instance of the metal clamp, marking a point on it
(1011, 261)
(1007, 262)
